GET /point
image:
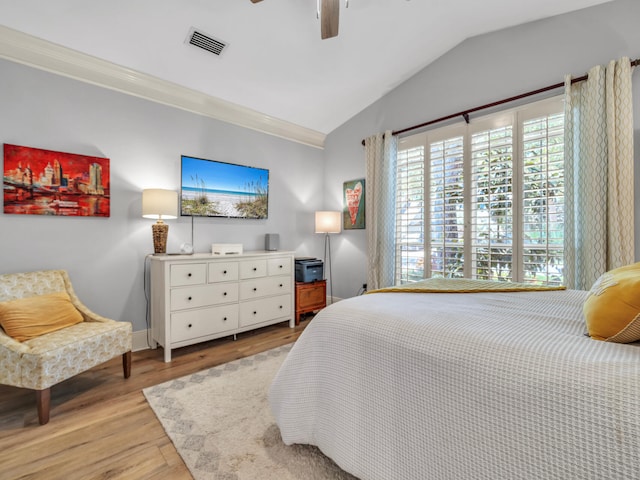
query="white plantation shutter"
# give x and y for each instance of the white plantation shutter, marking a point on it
(492, 204)
(446, 208)
(488, 198)
(410, 214)
(543, 198)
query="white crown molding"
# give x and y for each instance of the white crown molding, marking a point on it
(28, 50)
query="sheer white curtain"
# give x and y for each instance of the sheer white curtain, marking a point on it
(599, 174)
(380, 157)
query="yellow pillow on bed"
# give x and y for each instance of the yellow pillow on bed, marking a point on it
(30, 317)
(612, 309)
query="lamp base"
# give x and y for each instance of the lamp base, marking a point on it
(160, 234)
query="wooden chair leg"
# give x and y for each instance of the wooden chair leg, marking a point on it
(43, 402)
(126, 364)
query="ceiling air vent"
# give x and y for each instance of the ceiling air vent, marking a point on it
(206, 42)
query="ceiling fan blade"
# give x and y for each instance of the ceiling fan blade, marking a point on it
(329, 18)
(255, 1)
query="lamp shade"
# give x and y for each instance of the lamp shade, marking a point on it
(328, 222)
(158, 203)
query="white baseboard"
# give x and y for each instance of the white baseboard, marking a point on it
(140, 341)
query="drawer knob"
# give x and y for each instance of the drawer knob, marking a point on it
(255, 289)
(224, 319)
(281, 266)
(224, 272)
(188, 274)
(189, 298)
(224, 294)
(280, 285)
(280, 307)
(254, 312)
(189, 325)
(255, 269)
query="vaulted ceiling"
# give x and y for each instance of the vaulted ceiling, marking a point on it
(273, 61)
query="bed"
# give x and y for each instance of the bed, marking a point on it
(486, 385)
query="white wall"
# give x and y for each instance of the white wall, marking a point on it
(144, 141)
(479, 71)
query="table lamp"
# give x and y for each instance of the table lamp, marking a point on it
(158, 204)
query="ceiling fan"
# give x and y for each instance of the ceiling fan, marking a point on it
(329, 15)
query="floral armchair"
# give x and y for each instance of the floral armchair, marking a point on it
(48, 359)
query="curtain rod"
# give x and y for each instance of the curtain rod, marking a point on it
(465, 113)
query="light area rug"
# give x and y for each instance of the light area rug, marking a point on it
(220, 422)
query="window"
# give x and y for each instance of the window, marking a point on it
(484, 200)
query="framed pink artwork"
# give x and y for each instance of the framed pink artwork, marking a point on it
(353, 212)
(44, 182)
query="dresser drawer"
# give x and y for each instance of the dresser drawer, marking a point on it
(223, 271)
(189, 274)
(279, 266)
(203, 295)
(253, 269)
(264, 287)
(263, 310)
(202, 322)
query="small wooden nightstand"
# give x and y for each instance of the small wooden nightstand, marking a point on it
(310, 297)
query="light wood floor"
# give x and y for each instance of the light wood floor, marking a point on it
(101, 426)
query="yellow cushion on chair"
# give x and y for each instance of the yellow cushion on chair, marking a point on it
(612, 310)
(30, 317)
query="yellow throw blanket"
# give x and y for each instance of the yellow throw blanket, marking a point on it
(465, 285)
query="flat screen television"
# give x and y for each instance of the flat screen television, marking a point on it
(210, 188)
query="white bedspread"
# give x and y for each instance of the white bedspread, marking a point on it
(401, 386)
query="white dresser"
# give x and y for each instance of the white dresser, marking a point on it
(200, 297)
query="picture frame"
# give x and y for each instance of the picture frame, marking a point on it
(353, 212)
(46, 182)
(212, 188)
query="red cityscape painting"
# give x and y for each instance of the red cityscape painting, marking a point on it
(44, 182)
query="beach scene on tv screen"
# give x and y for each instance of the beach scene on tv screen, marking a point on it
(218, 189)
